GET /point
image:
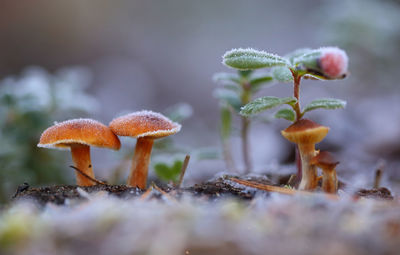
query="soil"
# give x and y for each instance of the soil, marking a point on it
(58, 194)
(214, 189)
(380, 193)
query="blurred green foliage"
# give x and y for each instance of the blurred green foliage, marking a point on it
(168, 172)
(28, 105)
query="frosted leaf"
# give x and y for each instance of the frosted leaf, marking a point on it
(323, 63)
(248, 59)
(287, 114)
(226, 78)
(31, 91)
(282, 74)
(229, 97)
(37, 90)
(260, 80)
(325, 103)
(265, 103)
(297, 53)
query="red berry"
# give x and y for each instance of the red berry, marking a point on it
(333, 62)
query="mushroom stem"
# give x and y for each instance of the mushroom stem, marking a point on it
(140, 163)
(329, 180)
(81, 158)
(309, 172)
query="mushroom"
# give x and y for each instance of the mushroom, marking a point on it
(145, 126)
(306, 133)
(78, 135)
(327, 163)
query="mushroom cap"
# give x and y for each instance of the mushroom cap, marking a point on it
(305, 131)
(79, 131)
(144, 124)
(324, 160)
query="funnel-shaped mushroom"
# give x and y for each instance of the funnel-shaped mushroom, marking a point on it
(306, 133)
(327, 163)
(78, 135)
(145, 126)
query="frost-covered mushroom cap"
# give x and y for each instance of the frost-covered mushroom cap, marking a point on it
(144, 124)
(79, 131)
(305, 131)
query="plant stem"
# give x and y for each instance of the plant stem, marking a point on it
(225, 132)
(245, 144)
(246, 97)
(297, 109)
(296, 94)
(227, 154)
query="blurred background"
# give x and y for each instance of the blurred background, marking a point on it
(100, 59)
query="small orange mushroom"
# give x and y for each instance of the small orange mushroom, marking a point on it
(145, 126)
(78, 135)
(306, 133)
(327, 163)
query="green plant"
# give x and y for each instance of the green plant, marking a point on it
(235, 91)
(28, 104)
(168, 172)
(327, 63)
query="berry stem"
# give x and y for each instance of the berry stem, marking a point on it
(296, 94)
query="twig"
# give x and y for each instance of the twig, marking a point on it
(87, 176)
(163, 192)
(292, 181)
(183, 171)
(146, 194)
(378, 175)
(277, 189)
(265, 187)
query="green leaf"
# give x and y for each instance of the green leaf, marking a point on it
(226, 123)
(282, 74)
(248, 59)
(287, 114)
(314, 76)
(297, 53)
(259, 81)
(245, 73)
(265, 103)
(229, 97)
(168, 173)
(226, 78)
(325, 103)
(308, 60)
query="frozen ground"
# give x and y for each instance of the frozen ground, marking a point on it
(275, 224)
